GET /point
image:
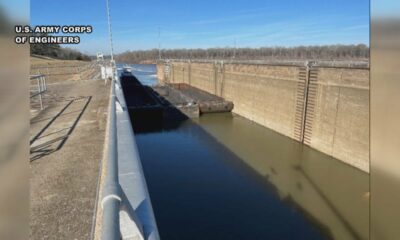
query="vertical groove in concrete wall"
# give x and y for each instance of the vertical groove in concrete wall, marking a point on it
(189, 73)
(337, 118)
(326, 108)
(161, 71)
(310, 106)
(171, 79)
(216, 74)
(301, 96)
(222, 81)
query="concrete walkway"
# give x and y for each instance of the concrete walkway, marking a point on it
(67, 140)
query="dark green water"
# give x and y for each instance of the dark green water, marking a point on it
(225, 177)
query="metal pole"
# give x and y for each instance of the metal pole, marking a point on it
(40, 93)
(41, 84)
(44, 83)
(109, 30)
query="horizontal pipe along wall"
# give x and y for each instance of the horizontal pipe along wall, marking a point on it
(326, 108)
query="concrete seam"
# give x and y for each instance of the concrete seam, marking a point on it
(336, 116)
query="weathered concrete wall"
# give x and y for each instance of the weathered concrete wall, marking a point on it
(161, 71)
(337, 117)
(250, 87)
(265, 94)
(202, 76)
(324, 107)
(60, 71)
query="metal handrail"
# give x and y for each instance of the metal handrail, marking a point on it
(112, 191)
(41, 87)
(120, 219)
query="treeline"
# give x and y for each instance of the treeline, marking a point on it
(58, 52)
(329, 52)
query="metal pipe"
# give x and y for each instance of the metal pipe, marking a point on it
(112, 134)
(135, 189)
(123, 197)
(112, 193)
(110, 226)
(44, 82)
(40, 93)
(41, 87)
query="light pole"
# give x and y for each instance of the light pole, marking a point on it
(109, 30)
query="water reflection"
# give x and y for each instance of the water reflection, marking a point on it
(330, 191)
(224, 177)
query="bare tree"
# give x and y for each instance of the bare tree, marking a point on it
(328, 52)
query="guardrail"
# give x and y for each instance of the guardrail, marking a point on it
(40, 88)
(120, 218)
(112, 191)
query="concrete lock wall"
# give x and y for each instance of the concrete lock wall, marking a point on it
(326, 108)
(337, 116)
(161, 71)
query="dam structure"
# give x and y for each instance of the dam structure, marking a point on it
(202, 150)
(192, 163)
(324, 105)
